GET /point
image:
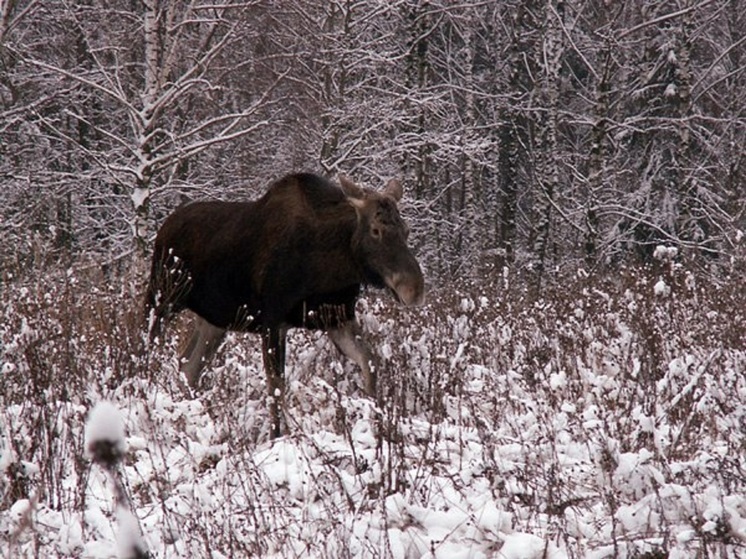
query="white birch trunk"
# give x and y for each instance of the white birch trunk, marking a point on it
(147, 116)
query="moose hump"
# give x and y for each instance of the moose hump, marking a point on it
(296, 257)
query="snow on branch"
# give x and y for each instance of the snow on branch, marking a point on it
(104, 435)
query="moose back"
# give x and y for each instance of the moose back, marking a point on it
(296, 257)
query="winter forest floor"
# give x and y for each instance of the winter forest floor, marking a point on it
(605, 419)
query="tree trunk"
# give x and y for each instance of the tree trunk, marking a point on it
(143, 183)
(597, 160)
(469, 214)
(547, 147)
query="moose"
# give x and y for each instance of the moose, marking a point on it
(294, 258)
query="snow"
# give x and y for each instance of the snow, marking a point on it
(663, 252)
(661, 289)
(140, 197)
(528, 546)
(541, 434)
(129, 539)
(19, 509)
(105, 425)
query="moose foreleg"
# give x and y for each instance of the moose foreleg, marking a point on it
(200, 349)
(349, 340)
(273, 352)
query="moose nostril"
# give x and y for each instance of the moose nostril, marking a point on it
(418, 296)
(409, 290)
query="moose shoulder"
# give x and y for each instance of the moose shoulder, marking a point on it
(296, 257)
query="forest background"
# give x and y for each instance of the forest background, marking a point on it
(574, 171)
(542, 135)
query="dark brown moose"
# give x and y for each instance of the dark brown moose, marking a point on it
(294, 258)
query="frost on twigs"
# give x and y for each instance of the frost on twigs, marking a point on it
(665, 253)
(104, 435)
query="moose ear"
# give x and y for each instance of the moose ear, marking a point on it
(351, 190)
(394, 189)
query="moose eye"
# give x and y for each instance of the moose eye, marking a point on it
(376, 232)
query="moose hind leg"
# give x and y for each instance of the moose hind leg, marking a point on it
(203, 343)
(273, 352)
(349, 340)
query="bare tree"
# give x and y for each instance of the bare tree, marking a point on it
(181, 44)
(536, 134)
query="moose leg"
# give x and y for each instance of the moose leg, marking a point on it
(273, 352)
(349, 340)
(200, 349)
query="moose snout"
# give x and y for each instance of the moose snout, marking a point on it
(409, 288)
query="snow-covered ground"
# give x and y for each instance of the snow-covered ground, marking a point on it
(605, 423)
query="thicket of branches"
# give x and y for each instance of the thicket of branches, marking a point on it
(534, 133)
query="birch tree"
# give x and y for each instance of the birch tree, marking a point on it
(181, 44)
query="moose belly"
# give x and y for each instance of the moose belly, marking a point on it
(324, 311)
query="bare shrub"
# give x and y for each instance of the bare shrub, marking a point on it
(604, 417)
